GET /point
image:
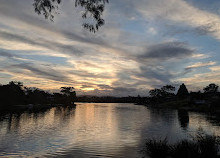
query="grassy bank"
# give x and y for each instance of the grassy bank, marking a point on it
(201, 146)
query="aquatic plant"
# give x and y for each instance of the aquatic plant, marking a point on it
(201, 146)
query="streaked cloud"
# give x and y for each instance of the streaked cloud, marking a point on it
(182, 12)
(200, 64)
(138, 48)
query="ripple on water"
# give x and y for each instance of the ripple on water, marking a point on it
(93, 130)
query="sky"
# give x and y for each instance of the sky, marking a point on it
(144, 44)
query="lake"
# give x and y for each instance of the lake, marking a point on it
(95, 130)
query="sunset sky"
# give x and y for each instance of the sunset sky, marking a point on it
(144, 44)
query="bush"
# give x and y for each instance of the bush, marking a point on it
(202, 146)
(156, 148)
(184, 149)
(208, 145)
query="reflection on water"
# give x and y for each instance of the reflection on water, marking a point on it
(183, 117)
(94, 130)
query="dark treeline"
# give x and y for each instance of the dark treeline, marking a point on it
(206, 101)
(209, 95)
(165, 94)
(15, 93)
(111, 99)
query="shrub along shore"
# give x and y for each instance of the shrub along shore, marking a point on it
(201, 146)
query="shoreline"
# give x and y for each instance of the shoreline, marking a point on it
(30, 108)
(213, 113)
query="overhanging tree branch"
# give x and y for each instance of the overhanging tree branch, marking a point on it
(93, 10)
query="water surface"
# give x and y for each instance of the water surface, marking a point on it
(95, 130)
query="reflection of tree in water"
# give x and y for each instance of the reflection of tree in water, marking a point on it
(166, 116)
(63, 114)
(17, 121)
(13, 121)
(183, 118)
(38, 114)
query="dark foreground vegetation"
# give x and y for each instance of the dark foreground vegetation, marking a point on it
(207, 101)
(202, 146)
(14, 96)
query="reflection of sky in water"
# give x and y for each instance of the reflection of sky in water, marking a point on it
(199, 121)
(100, 130)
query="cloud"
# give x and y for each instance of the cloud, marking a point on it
(200, 64)
(115, 91)
(8, 55)
(28, 19)
(156, 73)
(11, 56)
(181, 12)
(105, 87)
(85, 38)
(40, 71)
(167, 50)
(215, 68)
(200, 56)
(201, 79)
(69, 49)
(127, 56)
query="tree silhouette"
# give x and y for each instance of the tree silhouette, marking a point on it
(12, 93)
(168, 90)
(155, 93)
(182, 91)
(211, 88)
(93, 10)
(165, 91)
(69, 94)
(36, 96)
(67, 90)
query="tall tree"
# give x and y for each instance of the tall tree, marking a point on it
(67, 90)
(182, 91)
(69, 94)
(155, 93)
(12, 93)
(165, 91)
(168, 90)
(211, 88)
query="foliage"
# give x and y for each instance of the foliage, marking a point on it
(155, 93)
(14, 93)
(165, 91)
(211, 88)
(168, 90)
(202, 146)
(208, 145)
(156, 148)
(184, 149)
(93, 9)
(182, 91)
(67, 90)
(69, 94)
(36, 96)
